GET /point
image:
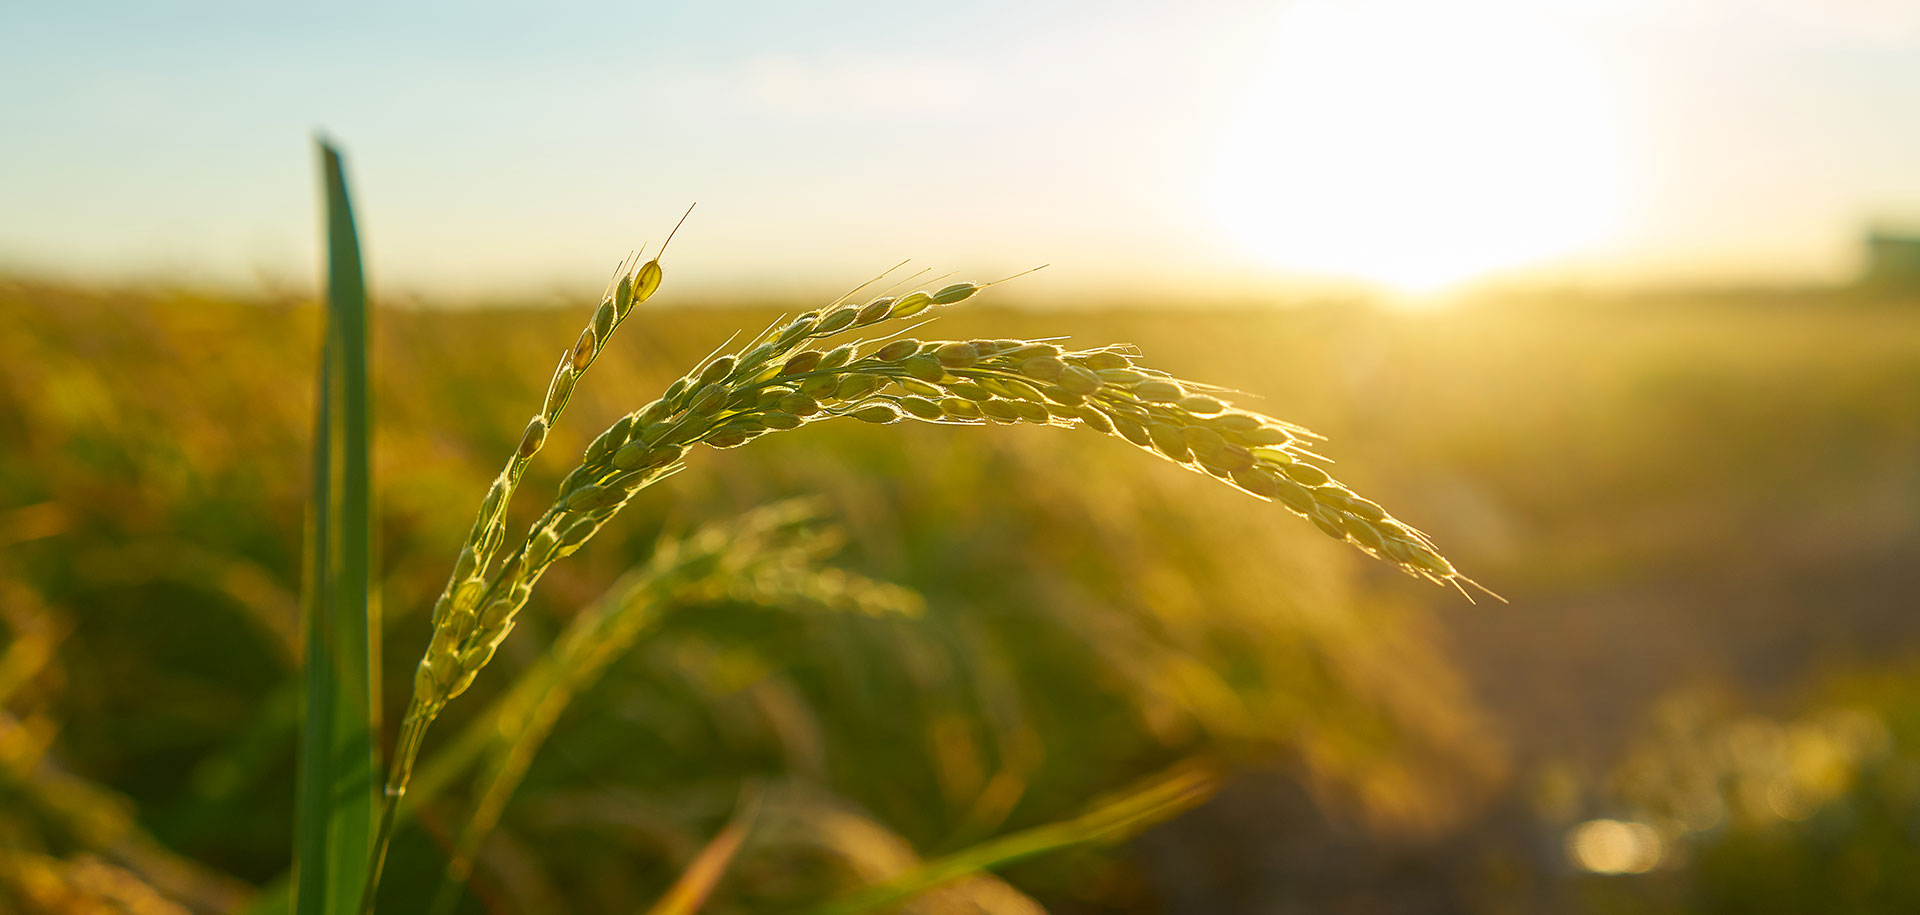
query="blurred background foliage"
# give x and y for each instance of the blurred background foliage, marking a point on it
(1704, 510)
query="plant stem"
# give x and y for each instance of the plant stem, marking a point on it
(413, 731)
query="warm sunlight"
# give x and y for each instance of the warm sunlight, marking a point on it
(1418, 147)
(395, 523)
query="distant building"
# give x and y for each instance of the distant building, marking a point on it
(1893, 261)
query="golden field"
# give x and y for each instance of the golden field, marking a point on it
(1704, 512)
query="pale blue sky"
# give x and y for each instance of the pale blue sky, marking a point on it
(505, 147)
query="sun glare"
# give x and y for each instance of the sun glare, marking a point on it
(1419, 145)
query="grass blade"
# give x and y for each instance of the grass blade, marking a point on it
(334, 835)
(703, 873)
(1161, 798)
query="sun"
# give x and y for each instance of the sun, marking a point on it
(1418, 145)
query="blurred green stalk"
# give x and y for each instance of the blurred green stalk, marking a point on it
(1156, 800)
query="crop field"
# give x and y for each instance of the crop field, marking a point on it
(906, 643)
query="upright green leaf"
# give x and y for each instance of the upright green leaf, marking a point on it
(338, 769)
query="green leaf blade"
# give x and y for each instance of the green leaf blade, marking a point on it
(338, 765)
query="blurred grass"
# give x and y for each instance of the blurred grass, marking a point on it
(1162, 797)
(1669, 491)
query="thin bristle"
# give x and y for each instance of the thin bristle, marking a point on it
(619, 270)
(1457, 577)
(718, 349)
(881, 276)
(1015, 276)
(762, 336)
(676, 229)
(902, 331)
(906, 280)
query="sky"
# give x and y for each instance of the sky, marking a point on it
(1143, 150)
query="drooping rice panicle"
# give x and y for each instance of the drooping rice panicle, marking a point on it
(776, 382)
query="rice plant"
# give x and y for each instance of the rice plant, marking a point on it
(841, 361)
